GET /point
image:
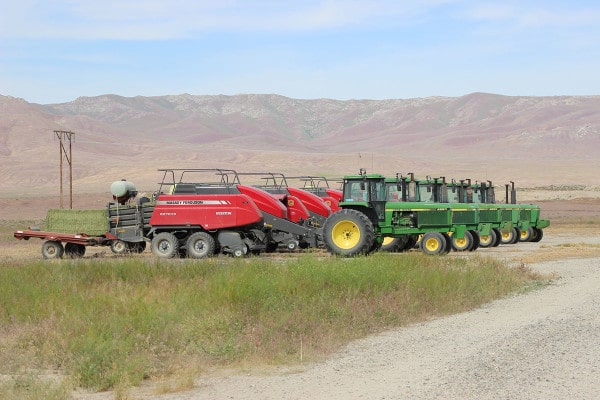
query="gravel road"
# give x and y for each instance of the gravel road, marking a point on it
(540, 345)
(545, 344)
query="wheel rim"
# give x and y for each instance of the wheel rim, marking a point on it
(432, 244)
(119, 246)
(164, 246)
(460, 243)
(506, 236)
(51, 250)
(345, 234)
(200, 247)
(485, 239)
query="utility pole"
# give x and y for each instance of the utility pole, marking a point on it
(64, 136)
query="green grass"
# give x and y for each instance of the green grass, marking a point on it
(107, 324)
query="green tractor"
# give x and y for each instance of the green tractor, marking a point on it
(524, 218)
(435, 190)
(369, 214)
(511, 221)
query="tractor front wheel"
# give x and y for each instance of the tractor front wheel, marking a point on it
(511, 236)
(348, 233)
(486, 241)
(434, 243)
(463, 244)
(526, 235)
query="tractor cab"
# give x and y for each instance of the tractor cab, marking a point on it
(365, 191)
(402, 188)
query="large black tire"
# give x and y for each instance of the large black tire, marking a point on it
(463, 244)
(165, 245)
(412, 242)
(74, 250)
(395, 244)
(348, 233)
(433, 243)
(498, 237)
(52, 249)
(538, 234)
(475, 237)
(200, 245)
(448, 242)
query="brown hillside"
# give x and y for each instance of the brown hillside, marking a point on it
(531, 140)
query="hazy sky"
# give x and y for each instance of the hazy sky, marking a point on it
(55, 51)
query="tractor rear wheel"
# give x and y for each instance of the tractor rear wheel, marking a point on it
(200, 245)
(74, 250)
(165, 245)
(348, 233)
(52, 249)
(434, 243)
(463, 244)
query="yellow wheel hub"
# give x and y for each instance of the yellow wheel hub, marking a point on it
(345, 234)
(485, 239)
(432, 244)
(460, 242)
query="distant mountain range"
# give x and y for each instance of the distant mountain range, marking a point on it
(531, 140)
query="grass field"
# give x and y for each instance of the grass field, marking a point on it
(108, 322)
(112, 323)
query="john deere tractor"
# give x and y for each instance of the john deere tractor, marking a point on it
(368, 214)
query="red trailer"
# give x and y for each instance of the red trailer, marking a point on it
(57, 244)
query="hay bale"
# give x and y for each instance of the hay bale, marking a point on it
(91, 222)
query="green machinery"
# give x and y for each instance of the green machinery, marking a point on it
(517, 221)
(367, 217)
(435, 190)
(394, 212)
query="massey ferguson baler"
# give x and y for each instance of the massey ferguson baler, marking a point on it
(286, 218)
(276, 184)
(319, 185)
(201, 224)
